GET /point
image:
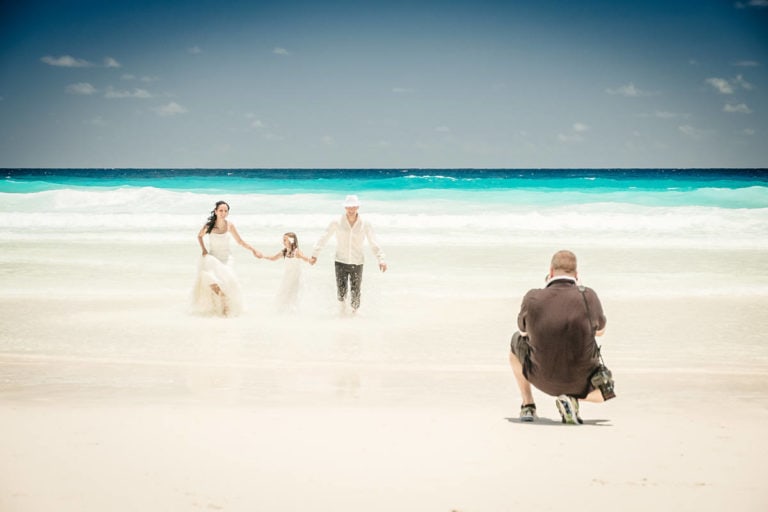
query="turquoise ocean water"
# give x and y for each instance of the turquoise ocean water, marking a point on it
(738, 188)
(435, 206)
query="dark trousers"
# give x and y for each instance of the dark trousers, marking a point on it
(352, 274)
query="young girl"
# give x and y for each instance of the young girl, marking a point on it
(217, 290)
(288, 296)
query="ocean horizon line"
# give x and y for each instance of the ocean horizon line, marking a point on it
(398, 168)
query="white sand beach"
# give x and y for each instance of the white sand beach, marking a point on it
(123, 401)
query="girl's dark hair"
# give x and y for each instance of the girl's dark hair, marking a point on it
(212, 218)
(294, 244)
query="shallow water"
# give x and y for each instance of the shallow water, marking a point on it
(103, 268)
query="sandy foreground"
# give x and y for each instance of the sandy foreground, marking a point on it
(371, 415)
(89, 450)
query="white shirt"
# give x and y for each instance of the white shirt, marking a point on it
(350, 238)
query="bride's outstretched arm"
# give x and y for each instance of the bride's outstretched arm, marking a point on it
(242, 242)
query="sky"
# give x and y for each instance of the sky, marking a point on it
(384, 84)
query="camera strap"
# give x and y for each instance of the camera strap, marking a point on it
(582, 290)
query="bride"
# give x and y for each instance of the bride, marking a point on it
(217, 290)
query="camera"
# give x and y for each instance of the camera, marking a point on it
(602, 379)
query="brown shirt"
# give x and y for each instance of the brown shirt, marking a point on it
(563, 352)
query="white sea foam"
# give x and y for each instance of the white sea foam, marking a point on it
(150, 214)
(471, 237)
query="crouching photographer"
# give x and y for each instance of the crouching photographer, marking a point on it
(555, 348)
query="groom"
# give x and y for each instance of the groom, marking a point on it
(351, 230)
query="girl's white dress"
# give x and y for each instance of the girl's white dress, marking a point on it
(217, 267)
(288, 295)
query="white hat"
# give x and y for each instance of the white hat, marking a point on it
(351, 201)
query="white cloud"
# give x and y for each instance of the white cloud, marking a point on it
(752, 3)
(118, 94)
(629, 90)
(741, 108)
(665, 114)
(195, 50)
(280, 51)
(569, 137)
(327, 140)
(171, 109)
(739, 80)
(96, 121)
(83, 88)
(109, 62)
(402, 90)
(722, 85)
(748, 131)
(690, 131)
(747, 64)
(66, 61)
(576, 136)
(442, 129)
(263, 128)
(145, 79)
(662, 114)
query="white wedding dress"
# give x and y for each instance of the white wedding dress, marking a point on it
(217, 267)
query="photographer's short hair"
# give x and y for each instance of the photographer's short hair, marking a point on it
(564, 261)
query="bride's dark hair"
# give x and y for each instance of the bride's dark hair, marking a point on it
(212, 218)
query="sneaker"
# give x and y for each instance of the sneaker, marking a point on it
(528, 412)
(568, 408)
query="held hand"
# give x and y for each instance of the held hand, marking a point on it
(257, 254)
(205, 252)
(312, 260)
(383, 267)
